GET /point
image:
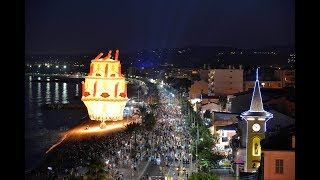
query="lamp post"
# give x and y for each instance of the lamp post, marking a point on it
(190, 162)
(197, 141)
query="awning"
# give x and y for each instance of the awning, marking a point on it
(239, 161)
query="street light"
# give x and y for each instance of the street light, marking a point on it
(197, 141)
(191, 162)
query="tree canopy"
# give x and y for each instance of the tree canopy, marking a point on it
(203, 176)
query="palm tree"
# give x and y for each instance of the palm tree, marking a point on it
(150, 121)
(153, 107)
(96, 169)
(133, 127)
(142, 112)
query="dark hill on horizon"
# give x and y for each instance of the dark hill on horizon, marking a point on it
(194, 56)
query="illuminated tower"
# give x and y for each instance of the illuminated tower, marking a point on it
(256, 119)
(104, 91)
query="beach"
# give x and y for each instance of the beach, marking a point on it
(76, 134)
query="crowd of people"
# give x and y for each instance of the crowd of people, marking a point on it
(167, 144)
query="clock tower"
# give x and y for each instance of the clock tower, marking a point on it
(256, 118)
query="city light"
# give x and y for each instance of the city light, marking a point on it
(188, 94)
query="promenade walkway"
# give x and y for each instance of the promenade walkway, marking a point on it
(129, 174)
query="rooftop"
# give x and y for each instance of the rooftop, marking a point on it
(281, 140)
(228, 127)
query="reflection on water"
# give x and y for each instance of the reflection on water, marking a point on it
(39, 94)
(30, 92)
(77, 89)
(48, 95)
(43, 128)
(64, 93)
(56, 92)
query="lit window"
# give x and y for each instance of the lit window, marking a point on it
(279, 166)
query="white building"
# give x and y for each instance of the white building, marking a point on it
(263, 84)
(223, 128)
(223, 142)
(225, 81)
(287, 77)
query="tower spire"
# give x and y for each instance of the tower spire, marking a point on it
(256, 106)
(256, 101)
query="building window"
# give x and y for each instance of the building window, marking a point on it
(224, 139)
(279, 166)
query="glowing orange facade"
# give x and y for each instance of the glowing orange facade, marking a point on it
(104, 91)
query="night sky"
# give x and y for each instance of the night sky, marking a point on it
(83, 26)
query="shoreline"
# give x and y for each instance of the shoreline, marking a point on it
(44, 156)
(78, 132)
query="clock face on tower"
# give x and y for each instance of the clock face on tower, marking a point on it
(256, 127)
